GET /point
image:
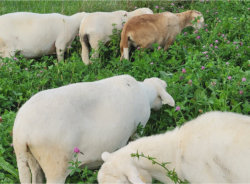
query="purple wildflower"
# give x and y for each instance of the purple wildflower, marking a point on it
(178, 108)
(243, 79)
(203, 67)
(76, 150)
(198, 37)
(240, 92)
(183, 70)
(229, 77)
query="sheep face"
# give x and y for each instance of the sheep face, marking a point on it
(199, 20)
(162, 96)
(125, 171)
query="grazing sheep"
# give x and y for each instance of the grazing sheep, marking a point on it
(98, 26)
(35, 35)
(161, 28)
(93, 116)
(213, 148)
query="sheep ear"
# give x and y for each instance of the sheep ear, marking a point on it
(165, 97)
(105, 156)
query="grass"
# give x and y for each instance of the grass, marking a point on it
(205, 70)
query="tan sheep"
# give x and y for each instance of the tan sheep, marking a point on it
(161, 28)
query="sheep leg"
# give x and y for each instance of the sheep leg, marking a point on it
(36, 170)
(55, 166)
(169, 42)
(22, 162)
(60, 53)
(94, 42)
(84, 39)
(60, 49)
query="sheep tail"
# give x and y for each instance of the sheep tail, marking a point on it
(27, 164)
(124, 45)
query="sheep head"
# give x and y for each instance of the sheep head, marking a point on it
(162, 96)
(198, 19)
(120, 170)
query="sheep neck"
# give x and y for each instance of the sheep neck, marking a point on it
(162, 147)
(185, 19)
(150, 92)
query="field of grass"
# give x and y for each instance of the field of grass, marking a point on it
(205, 70)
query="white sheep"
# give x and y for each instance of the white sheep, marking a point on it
(35, 35)
(213, 148)
(161, 28)
(93, 116)
(98, 26)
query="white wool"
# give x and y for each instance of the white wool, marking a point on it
(98, 27)
(213, 148)
(93, 116)
(35, 35)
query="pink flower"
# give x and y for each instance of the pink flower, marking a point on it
(152, 63)
(203, 67)
(159, 47)
(172, 4)
(183, 70)
(216, 47)
(205, 52)
(198, 37)
(240, 92)
(211, 45)
(196, 31)
(185, 33)
(178, 108)
(216, 41)
(227, 63)
(207, 56)
(15, 58)
(243, 79)
(206, 30)
(76, 150)
(237, 47)
(138, 48)
(222, 35)
(229, 77)
(156, 7)
(234, 43)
